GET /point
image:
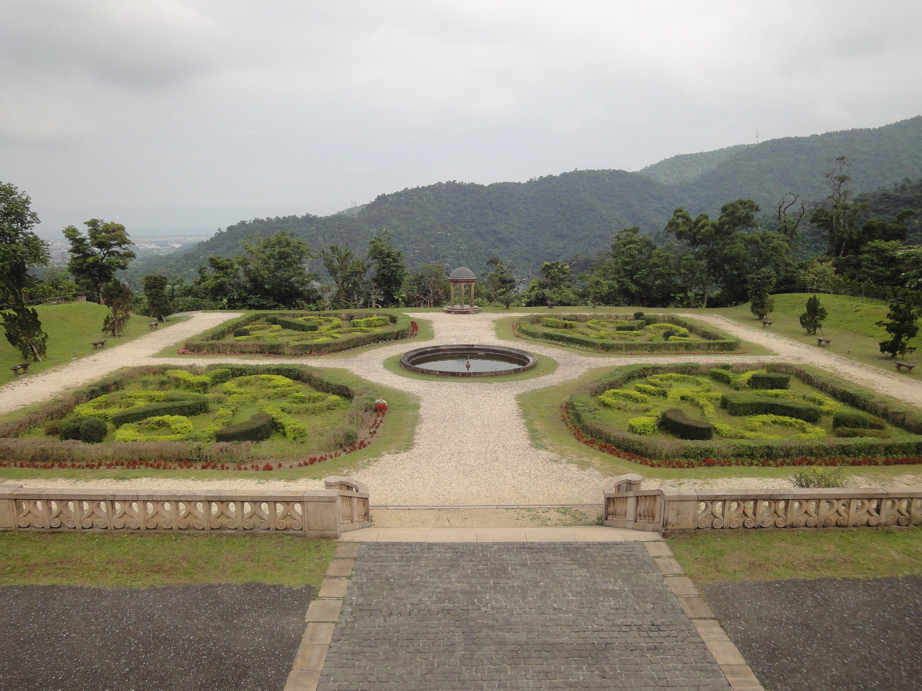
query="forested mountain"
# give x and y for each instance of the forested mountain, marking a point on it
(559, 216)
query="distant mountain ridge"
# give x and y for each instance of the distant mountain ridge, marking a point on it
(576, 213)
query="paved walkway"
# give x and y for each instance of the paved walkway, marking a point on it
(553, 608)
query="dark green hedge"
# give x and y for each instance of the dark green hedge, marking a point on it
(188, 404)
(676, 422)
(746, 403)
(257, 428)
(770, 380)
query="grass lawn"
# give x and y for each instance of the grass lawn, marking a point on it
(142, 561)
(850, 325)
(769, 555)
(71, 329)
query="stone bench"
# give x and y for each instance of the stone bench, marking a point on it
(153, 325)
(900, 366)
(20, 369)
(823, 342)
(99, 344)
(765, 323)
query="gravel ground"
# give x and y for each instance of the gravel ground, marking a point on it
(471, 445)
(826, 633)
(178, 637)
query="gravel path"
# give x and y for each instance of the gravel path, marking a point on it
(471, 445)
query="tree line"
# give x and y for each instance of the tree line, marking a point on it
(742, 255)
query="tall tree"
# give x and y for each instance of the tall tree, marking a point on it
(839, 215)
(274, 272)
(117, 296)
(716, 246)
(902, 327)
(96, 256)
(159, 304)
(499, 282)
(390, 272)
(812, 319)
(348, 274)
(761, 284)
(20, 248)
(428, 286)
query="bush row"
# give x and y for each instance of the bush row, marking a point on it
(257, 428)
(191, 404)
(677, 423)
(746, 403)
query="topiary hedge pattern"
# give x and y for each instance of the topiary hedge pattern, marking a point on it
(291, 333)
(633, 393)
(623, 334)
(258, 428)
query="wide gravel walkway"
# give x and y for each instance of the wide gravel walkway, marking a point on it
(471, 446)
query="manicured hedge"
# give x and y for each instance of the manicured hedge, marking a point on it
(676, 422)
(530, 327)
(769, 380)
(218, 340)
(745, 403)
(589, 421)
(257, 428)
(191, 404)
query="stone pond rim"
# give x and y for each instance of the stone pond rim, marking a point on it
(415, 360)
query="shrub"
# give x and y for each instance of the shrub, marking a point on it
(852, 432)
(814, 477)
(677, 423)
(187, 380)
(243, 331)
(257, 428)
(629, 326)
(721, 375)
(752, 404)
(638, 315)
(341, 437)
(370, 322)
(189, 404)
(645, 426)
(93, 430)
(552, 323)
(769, 380)
(850, 418)
(160, 428)
(70, 429)
(219, 376)
(293, 429)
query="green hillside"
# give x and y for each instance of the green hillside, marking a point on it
(557, 217)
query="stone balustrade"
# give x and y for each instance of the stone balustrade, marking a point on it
(342, 506)
(628, 506)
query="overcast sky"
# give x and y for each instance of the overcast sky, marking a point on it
(179, 116)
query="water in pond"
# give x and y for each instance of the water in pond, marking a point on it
(474, 363)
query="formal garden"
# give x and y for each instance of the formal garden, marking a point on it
(694, 415)
(300, 333)
(621, 333)
(222, 417)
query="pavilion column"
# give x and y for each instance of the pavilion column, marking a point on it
(452, 293)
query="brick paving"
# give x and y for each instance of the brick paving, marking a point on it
(513, 616)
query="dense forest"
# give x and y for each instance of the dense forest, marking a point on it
(571, 215)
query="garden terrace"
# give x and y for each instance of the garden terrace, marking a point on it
(693, 415)
(661, 333)
(300, 333)
(228, 417)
